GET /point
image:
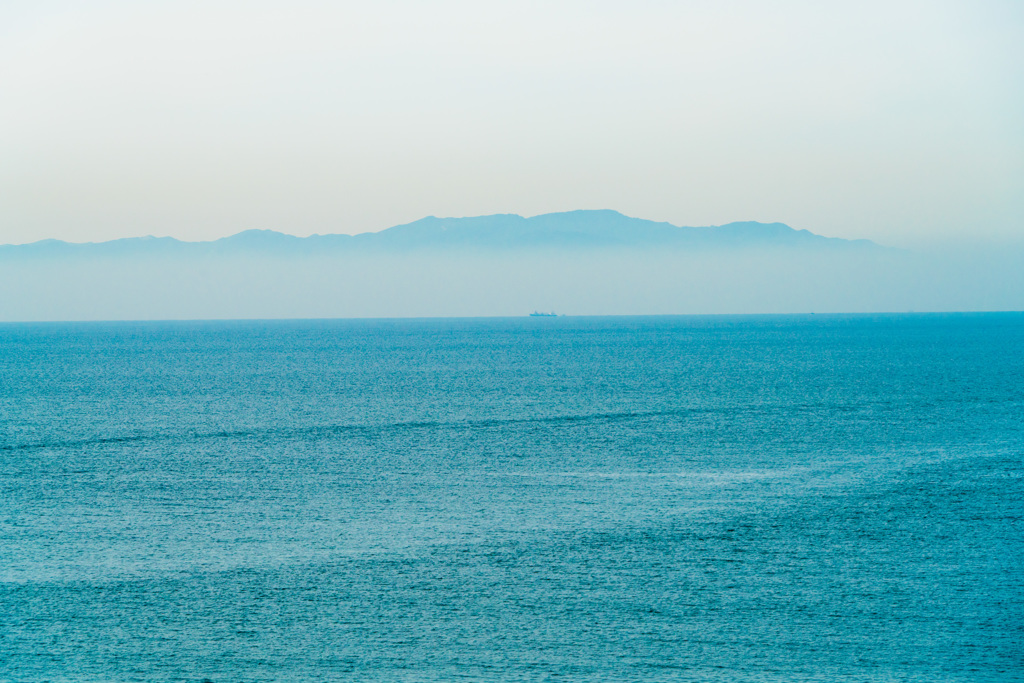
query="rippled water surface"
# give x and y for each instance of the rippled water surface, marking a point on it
(606, 499)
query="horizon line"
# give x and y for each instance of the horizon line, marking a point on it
(523, 316)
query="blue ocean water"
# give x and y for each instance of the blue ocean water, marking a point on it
(791, 498)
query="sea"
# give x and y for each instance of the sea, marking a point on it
(694, 498)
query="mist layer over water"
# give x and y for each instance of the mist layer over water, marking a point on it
(466, 282)
(686, 498)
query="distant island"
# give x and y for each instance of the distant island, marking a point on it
(577, 263)
(566, 230)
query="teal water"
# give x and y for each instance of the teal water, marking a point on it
(795, 498)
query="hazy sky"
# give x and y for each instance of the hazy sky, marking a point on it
(901, 121)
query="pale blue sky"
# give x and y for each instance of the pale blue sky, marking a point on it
(900, 121)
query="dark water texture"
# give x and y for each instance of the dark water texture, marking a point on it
(607, 499)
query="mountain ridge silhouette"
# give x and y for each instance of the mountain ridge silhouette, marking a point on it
(571, 229)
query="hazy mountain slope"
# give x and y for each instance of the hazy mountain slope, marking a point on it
(593, 229)
(573, 229)
(580, 262)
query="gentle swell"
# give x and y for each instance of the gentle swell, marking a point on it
(330, 430)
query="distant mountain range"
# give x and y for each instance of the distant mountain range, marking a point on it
(567, 230)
